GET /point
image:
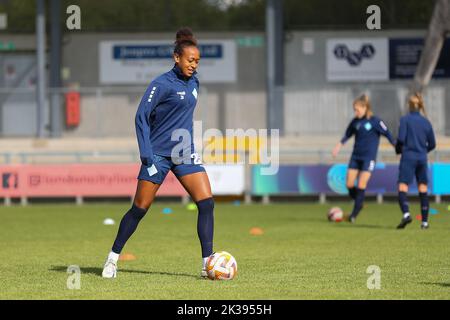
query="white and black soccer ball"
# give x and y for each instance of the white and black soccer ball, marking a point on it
(335, 214)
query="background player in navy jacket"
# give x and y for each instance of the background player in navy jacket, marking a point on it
(367, 130)
(164, 115)
(415, 140)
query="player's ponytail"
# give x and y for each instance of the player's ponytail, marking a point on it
(365, 101)
(184, 38)
(416, 103)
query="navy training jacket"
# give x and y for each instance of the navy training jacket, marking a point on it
(367, 137)
(415, 137)
(167, 105)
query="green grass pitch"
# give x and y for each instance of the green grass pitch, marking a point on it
(300, 255)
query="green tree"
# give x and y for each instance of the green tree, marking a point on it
(222, 15)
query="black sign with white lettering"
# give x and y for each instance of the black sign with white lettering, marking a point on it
(404, 56)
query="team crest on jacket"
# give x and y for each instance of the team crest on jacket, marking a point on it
(194, 93)
(368, 126)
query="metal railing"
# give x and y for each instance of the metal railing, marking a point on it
(108, 112)
(105, 112)
(328, 109)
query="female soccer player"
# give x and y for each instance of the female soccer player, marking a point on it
(166, 110)
(415, 140)
(367, 130)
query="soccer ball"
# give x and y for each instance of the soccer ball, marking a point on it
(221, 266)
(335, 214)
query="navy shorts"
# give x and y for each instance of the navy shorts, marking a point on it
(362, 165)
(410, 168)
(164, 164)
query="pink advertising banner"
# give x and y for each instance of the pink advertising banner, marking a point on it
(72, 180)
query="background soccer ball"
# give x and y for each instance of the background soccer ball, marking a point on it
(221, 266)
(335, 214)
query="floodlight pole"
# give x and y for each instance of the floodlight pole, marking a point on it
(275, 65)
(55, 68)
(40, 58)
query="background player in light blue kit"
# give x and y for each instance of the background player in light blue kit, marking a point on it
(166, 109)
(367, 130)
(415, 139)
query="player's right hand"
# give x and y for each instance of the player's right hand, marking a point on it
(336, 150)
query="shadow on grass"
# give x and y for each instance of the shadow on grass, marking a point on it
(440, 284)
(98, 271)
(345, 224)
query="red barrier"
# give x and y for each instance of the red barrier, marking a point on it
(72, 109)
(73, 180)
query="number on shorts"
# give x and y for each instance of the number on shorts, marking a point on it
(196, 158)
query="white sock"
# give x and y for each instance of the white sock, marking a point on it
(204, 262)
(406, 215)
(113, 256)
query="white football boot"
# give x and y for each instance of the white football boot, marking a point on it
(204, 273)
(110, 269)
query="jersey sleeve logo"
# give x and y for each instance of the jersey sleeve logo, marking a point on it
(152, 93)
(194, 93)
(382, 125)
